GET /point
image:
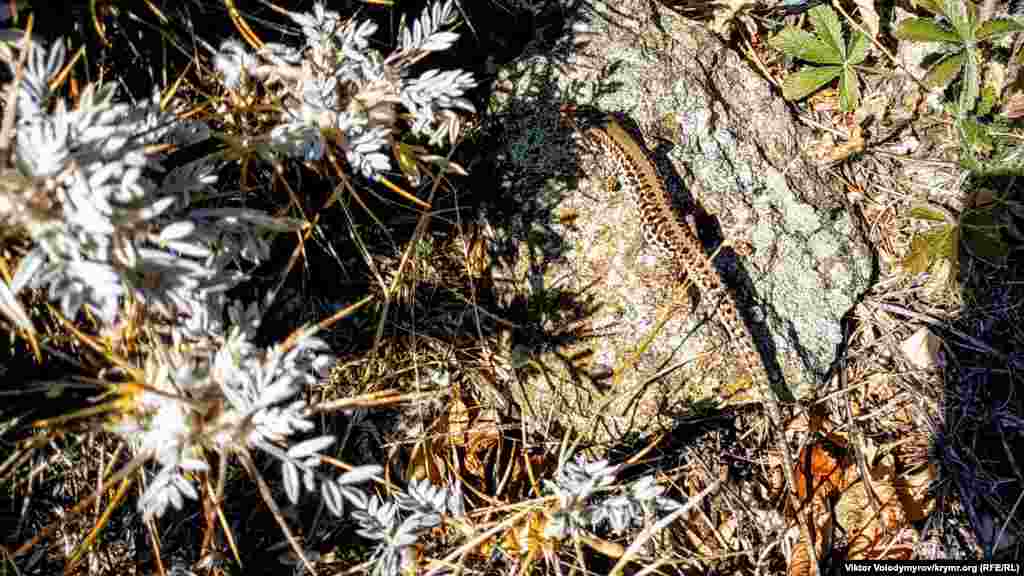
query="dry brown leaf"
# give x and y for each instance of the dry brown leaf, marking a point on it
(799, 424)
(424, 462)
(901, 498)
(1014, 107)
(525, 538)
(602, 546)
(800, 561)
(478, 453)
(867, 531)
(474, 247)
(868, 16)
(458, 420)
(880, 388)
(827, 469)
(912, 491)
(984, 197)
(922, 349)
(827, 152)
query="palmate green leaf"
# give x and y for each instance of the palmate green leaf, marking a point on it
(849, 90)
(925, 30)
(827, 27)
(858, 49)
(997, 27)
(943, 72)
(804, 82)
(804, 46)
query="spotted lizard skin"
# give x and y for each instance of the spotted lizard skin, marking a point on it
(671, 238)
(679, 245)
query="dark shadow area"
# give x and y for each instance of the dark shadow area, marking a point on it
(978, 443)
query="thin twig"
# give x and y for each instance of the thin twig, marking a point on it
(268, 498)
(649, 532)
(131, 467)
(472, 544)
(791, 487)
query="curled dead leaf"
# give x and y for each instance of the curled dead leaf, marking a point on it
(826, 462)
(869, 533)
(923, 349)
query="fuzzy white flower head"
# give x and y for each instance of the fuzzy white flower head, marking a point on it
(161, 424)
(42, 144)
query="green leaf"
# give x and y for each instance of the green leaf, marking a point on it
(925, 30)
(972, 15)
(931, 247)
(858, 50)
(933, 6)
(827, 27)
(917, 261)
(976, 136)
(942, 241)
(962, 16)
(924, 212)
(997, 27)
(944, 72)
(989, 97)
(975, 144)
(849, 90)
(806, 81)
(982, 236)
(805, 46)
(971, 82)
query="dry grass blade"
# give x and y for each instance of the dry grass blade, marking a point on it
(634, 549)
(791, 486)
(76, 556)
(421, 229)
(452, 558)
(372, 399)
(7, 128)
(398, 190)
(306, 332)
(13, 309)
(120, 475)
(268, 498)
(243, 28)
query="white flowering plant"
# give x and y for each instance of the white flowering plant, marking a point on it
(582, 506)
(335, 89)
(105, 223)
(108, 227)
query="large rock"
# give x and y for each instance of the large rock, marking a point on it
(727, 147)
